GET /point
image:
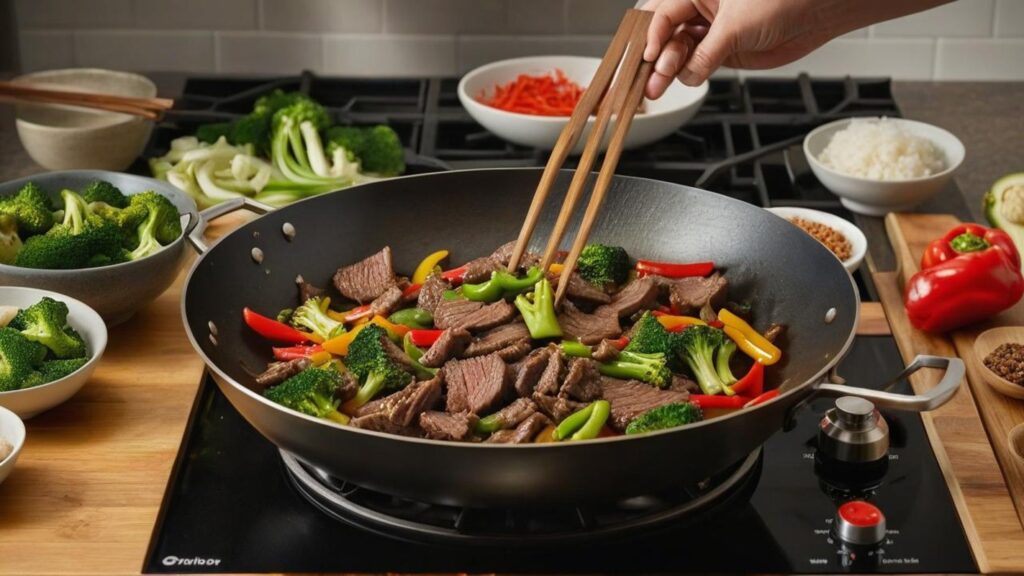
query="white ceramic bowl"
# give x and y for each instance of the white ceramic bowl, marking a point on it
(858, 242)
(878, 197)
(28, 402)
(661, 117)
(12, 430)
(62, 137)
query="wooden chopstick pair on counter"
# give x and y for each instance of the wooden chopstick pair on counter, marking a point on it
(151, 108)
(624, 69)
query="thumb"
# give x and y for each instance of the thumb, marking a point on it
(708, 55)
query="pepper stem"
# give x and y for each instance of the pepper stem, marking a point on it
(968, 242)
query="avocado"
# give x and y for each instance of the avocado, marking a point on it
(1004, 207)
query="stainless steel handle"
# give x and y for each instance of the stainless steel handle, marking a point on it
(930, 400)
(195, 237)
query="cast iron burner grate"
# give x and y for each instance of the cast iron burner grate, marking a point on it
(405, 519)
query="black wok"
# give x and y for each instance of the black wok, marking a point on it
(788, 276)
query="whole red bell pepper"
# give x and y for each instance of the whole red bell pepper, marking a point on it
(968, 275)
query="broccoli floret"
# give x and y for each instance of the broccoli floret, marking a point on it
(378, 148)
(667, 416)
(538, 310)
(19, 357)
(101, 191)
(722, 358)
(31, 207)
(312, 316)
(650, 368)
(162, 225)
(311, 392)
(210, 133)
(649, 336)
(57, 369)
(81, 240)
(46, 322)
(603, 265)
(126, 219)
(698, 346)
(10, 242)
(369, 360)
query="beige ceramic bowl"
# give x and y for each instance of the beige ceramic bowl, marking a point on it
(61, 137)
(988, 341)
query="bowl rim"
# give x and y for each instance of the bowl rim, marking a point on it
(471, 102)
(97, 347)
(976, 345)
(7, 413)
(858, 240)
(115, 121)
(835, 124)
(192, 214)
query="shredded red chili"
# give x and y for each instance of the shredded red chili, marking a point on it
(551, 94)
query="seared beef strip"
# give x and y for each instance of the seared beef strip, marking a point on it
(497, 338)
(404, 407)
(528, 372)
(432, 293)
(515, 351)
(449, 345)
(589, 328)
(380, 422)
(368, 279)
(583, 382)
(605, 352)
(501, 437)
(556, 408)
(397, 354)
(504, 254)
(472, 316)
(640, 294)
(476, 385)
(525, 432)
(510, 416)
(307, 290)
(387, 302)
(630, 398)
(278, 372)
(479, 270)
(348, 388)
(580, 289)
(689, 295)
(551, 379)
(684, 384)
(445, 426)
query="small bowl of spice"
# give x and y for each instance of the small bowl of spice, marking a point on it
(1002, 356)
(839, 235)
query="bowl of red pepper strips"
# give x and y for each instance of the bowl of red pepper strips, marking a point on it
(527, 101)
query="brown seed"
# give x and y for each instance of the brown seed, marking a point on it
(1007, 360)
(830, 237)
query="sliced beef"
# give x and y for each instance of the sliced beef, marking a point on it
(405, 406)
(497, 338)
(684, 384)
(528, 372)
(605, 352)
(504, 254)
(307, 290)
(278, 372)
(556, 408)
(366, 280)
(476, 385)
(479, 270)
(581, 290)
(582, 382)
(449, 345)
(525, 432)
(432, 293)
(589, 328)
(551, 379)
(630, 398)
(472, 316)
(689, 295)
(640, 294)
(387, 302)
(380, 422)
(515, 351)
(445, 426)
(510, 416)
(397, 354)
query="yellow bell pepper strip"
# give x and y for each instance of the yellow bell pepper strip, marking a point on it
(395, 331)
(674, 323)
(556, 268)
(751, 342)
(320, 358)
(339, 345)
(427, 266)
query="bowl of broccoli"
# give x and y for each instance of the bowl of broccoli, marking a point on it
(114, 241)
(50, 344)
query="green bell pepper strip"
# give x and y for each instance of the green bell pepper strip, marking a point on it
(592, 427)
(414, 354)
(416, 318)
(576, 349)
(502, 284)
(573, 422)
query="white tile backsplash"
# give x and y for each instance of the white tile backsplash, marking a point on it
(966, 39)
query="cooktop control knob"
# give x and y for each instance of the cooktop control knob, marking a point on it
(853, 432)
(860, 523)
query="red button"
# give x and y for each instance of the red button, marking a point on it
(861, 513)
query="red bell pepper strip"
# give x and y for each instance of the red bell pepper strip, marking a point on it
(424, 337)
(968, 275)
(296, 352)
(716, 324)
(670, 270)
(272, 329)
(762, 398)
(620, 343)
(455, 275)
(411, 290)
(752, 383)
(358, 313)
(718, 401)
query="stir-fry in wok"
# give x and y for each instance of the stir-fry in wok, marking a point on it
(476, 353)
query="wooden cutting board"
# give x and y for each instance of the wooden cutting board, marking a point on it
(969, 434)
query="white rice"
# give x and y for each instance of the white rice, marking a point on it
(881, 150)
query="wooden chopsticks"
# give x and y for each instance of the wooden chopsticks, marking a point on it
(627, 75)
(151, 108)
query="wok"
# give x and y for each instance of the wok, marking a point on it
(788, 276)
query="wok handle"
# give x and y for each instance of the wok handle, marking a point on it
(197, 236)
(930, 400)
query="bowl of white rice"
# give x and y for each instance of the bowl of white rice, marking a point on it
(882, 165)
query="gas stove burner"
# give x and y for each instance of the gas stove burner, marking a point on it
(421, 522)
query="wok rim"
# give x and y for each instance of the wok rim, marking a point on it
(222, 377)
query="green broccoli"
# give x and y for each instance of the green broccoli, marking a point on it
(538, 310)
(161, 227)
(312, 316)
(31, 207)
(650, 368)
(666, 416)
(19, 358)
(649, 336)
(126, 219)
(311, 392)
(101, 191)
(298, 152)
(722, 358)
(303, 110)
(210, 133)
(53, 370)
(698, 347)
(46, 322)
(603, 265)
(10, 242)
(369, 360)
(81, 240)
(378, 148)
